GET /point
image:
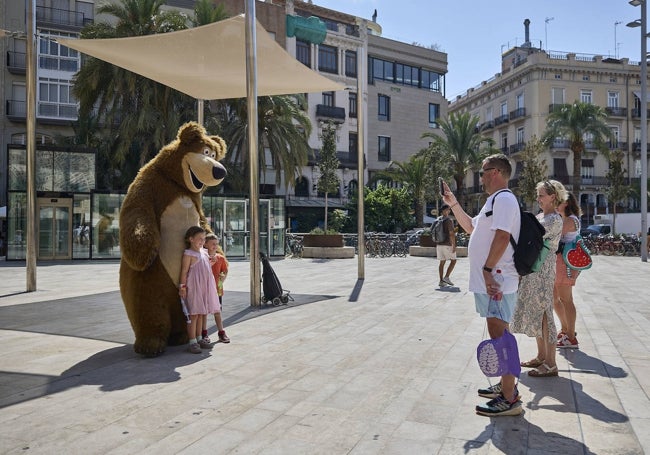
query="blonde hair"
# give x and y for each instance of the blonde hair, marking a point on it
(554, 188)
(213, 236)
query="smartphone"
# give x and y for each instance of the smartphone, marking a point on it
(441, 182)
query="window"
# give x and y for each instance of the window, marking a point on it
(328, 99)
(504, 108)
(434, 115)
(53, 56)
(432, 80)
(504, 140)
(557, 93)
(303, 52)
(382, 70)
(612, 99)
(55, 99)
(585, 96)
(407, 75)
(520, 135)
(585, 77)
(613, 142)
(327, 60)
(489, 116)
(384, 108)
(520, 101)
(353, 144)
(351, 63)
(352, 108)
(587, 169)
(384, 149)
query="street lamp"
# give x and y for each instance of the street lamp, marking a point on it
(644, 124)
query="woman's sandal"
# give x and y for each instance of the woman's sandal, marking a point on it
(547, 372)
(534, 363)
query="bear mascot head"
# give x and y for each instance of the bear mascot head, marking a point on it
(163, 201)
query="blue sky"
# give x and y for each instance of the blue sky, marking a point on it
(474, 32)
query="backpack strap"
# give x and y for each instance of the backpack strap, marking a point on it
(489, 213)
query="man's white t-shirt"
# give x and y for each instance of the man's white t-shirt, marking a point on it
(506, 217)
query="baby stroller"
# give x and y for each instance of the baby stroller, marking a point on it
(271, 288)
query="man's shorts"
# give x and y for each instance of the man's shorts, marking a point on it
(502, 310)
(444, 252)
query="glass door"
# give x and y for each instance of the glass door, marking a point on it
(265, 210)
(54, 228)
(236, 228)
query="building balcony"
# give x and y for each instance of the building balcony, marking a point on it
(16, 110)
(518, 113)
(554, 107)
(514, 148)
(501, 120)
(61, 17)
(46, 113)
(16, 62)
(348, 160)
(487, 125)
(504, 150)
(616, 111)
(560, 144)
(636, 113)
(330, 112)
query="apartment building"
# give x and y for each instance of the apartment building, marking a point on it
(405, 92)
(65, 176)
(513, 106)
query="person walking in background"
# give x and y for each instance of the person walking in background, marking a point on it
(197, 287)
(565, 278)
(446, 250)
(219, 266)
(489, 249)
(534, 313)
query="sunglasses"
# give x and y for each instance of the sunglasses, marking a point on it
(483, 171)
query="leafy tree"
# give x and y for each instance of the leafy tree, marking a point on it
(387, 209)
(206, 12)
(283, 132)
(462, 143)
(617, 190)
(412, 174)
(328, 164)
(578, 122)
(535, 170)
(141, 115)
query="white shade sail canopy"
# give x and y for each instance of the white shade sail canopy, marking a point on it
(208, 62)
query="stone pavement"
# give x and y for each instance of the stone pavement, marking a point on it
(386, 365)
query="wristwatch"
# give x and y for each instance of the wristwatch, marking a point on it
(487, 269)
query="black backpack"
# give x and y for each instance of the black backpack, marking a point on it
(531, 241)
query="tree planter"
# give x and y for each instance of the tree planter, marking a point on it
(322, 240)
(427, 240)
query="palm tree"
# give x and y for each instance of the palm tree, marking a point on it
(462, 143)
(206, 12)
(142, 114)
(413, 175)
(578, 122)
(283, 131)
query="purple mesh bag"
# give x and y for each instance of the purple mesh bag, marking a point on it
(499, 357)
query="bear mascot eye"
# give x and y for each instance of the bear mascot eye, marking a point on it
(209, 152)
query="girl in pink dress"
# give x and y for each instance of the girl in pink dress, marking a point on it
(197, 286)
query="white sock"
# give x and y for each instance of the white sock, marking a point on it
(193, 341)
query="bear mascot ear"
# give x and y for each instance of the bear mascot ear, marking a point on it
(191, 132)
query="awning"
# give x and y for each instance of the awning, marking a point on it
(313, 203)
(208, 62)
(638, 95)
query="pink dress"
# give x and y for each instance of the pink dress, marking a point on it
(201, 298)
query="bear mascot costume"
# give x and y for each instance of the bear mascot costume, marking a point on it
(163, 201)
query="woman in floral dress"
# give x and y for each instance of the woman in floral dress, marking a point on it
(534, 311)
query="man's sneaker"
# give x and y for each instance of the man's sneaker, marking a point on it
(204, 343)
(448, 281)
(494, 391)
(568, 343)
(500, 407)
(443, 284)
(223, 337)
(194, 348)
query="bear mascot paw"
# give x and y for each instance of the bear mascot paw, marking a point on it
(163, 201)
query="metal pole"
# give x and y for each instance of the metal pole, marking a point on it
(644, 133)
(200, 114)
(253, 162)
(31, 147)
(362, 80)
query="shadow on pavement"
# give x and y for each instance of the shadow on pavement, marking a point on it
(588, 364)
